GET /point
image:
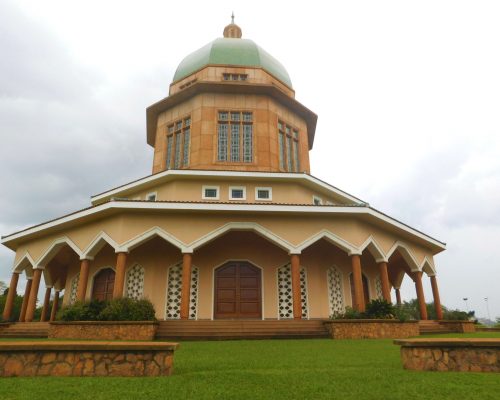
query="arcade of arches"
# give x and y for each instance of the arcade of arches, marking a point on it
(239, 275)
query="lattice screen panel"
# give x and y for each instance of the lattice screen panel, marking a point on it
(174, 289)
(335, 291)
(135, 282)
(378, 288)
(74, 288)
(285, 296)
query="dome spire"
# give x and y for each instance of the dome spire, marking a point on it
(232, 30)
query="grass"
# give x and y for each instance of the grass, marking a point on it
(274, 369)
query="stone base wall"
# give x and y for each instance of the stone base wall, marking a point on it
(459, 326)
(371, 329)
(104, 330)
(102, 360)
(479, 357)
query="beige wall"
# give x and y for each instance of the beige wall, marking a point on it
(156, 254)
(191, 190)
(203, 110)
(215, 74)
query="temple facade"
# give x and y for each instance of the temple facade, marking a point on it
(230, 224)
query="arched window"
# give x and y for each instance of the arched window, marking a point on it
(135, 282)
(74, 288)
(335, 291)
(174, 288)
(285, 296)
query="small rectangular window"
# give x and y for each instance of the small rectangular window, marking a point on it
(235, 77)
(177, 154)
(317, 201)
(263, 193)
(226, 77)
(185, 152)
(247, 144)
(243, 77)
(235, 116)
(281, 151)
(170, 129)
(247, 117)
(170, 139)
(237, 193)
(223, 116)
(222, 142)
(178, 126)
(187, 122)
(151, 196)
(210, 192)
(235, 143)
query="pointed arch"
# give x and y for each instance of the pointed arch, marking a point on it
(373, 247)
(149, 234)
(243, 226)
(406, 253)
(54, 248)
(428, 267)
(25, 263)
(332, 238)
(97, 244)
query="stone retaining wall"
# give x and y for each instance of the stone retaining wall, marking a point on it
(459, 326)
(86, 358)
(466, 355)
(103, 330)
(371, 329)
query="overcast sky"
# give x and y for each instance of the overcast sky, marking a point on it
(407, 94)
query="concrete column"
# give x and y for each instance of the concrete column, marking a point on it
(30, 310)
(121, 261)
(437, 300)
(359, 296)
(55, 306)
(46, 305)
(81, 290)
(26, 298)
(384, 279)
(398, 297)
(11, 295)
(420, 295)
(186, 284)
(297, 301)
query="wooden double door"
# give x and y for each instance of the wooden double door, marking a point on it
(238, 292)
(104, 283)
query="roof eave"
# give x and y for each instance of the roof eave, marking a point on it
(198, 87)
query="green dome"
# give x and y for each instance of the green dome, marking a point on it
(232, 51)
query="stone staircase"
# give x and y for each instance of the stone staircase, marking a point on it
(241, 329)
(431, 327)
(25, 330)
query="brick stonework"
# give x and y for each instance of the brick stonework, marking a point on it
(459, 326)
(465, 355)
(103, 330)
(86, 358)
(371, 329)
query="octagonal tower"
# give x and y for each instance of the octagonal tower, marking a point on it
(231, 106)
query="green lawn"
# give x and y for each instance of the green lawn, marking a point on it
(273, 369)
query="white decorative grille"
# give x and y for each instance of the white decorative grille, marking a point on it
(335, 291)
(174, 289)
(74, 288)
(193, 300)
(285, 295)
(303, 293)
(378, 288)
(135, 282)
